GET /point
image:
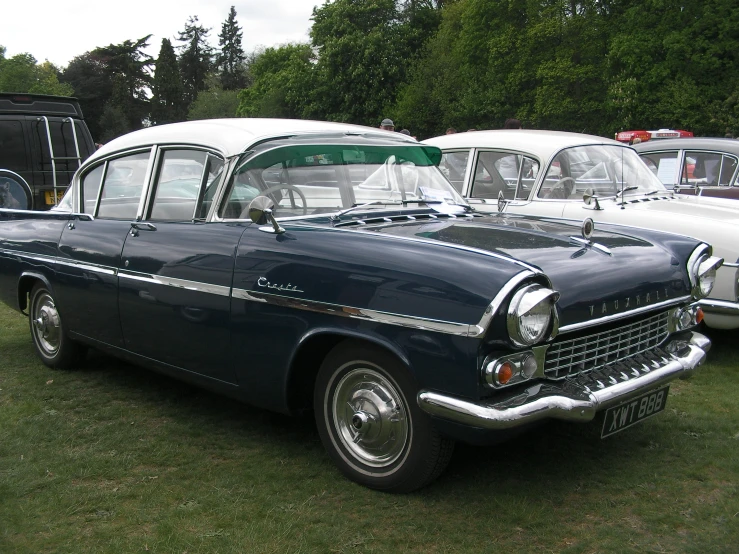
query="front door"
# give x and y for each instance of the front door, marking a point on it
(176, 270)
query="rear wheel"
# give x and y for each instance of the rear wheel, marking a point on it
(52, 344)
(370, 423)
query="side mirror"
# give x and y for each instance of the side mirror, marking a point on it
(589, 198)
(260, 212)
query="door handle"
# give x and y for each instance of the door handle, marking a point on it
(143, 226)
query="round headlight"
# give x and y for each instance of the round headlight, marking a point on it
(702, 271)
(707, 275)
(530, 314)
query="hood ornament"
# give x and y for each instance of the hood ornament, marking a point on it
(588, 226)
(586, 230)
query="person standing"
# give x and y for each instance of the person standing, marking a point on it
(387, 125)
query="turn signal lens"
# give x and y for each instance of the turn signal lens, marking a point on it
(698, 315)
(504, 373)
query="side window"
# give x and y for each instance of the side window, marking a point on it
(90, 187)
(453, 165)
(511, 174)
(663, 165)
(12, 146)
(122, 187)
(215, 174)
(728, 169)
(707, 168)
(178, 185)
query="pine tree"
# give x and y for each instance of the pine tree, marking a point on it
(167, 99)
(196, 59)
(231, 58)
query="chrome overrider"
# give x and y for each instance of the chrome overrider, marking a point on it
(580, 397)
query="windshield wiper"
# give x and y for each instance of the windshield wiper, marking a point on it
(421, 201)
(373, 203)
(623, 190)
(655, 191)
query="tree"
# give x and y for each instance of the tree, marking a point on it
(128, 66)
(365, 49)
(196, 59)
(22, 73)
(230, 60)
(167, 91)
(88, 75)
(282, 86)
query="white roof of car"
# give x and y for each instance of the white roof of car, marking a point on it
(230, 136)
(540, 143)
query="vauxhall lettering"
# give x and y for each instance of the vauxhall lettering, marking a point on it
(604, 309)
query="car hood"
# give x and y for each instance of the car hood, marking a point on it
(698, 207)
(628, 272)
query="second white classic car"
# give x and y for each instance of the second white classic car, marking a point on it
(570, 175)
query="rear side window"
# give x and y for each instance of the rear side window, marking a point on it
(12, 146)
(708, 168)
(90, 188)
(122, 186)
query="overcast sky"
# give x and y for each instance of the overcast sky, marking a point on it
(59, 30)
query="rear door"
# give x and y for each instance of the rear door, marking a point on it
(90, 250)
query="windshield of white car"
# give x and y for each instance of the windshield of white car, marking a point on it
(306, 179)
(606, 170)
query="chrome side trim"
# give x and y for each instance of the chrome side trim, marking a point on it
(570, 400)
(56, 260)
(724, 307)
(94, 268)
(197, 286)
(413, 322)
(616, 317)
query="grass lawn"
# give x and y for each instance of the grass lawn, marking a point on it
(113, 458)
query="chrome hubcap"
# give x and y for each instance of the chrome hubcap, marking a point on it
(46, 324)
(371, 417)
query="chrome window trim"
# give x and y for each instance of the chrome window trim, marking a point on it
(413, 322)
(195, 286)
(624, 315)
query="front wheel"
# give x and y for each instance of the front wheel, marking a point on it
(370, 423)
(52, 344)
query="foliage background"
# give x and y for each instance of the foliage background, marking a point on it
(594, 66)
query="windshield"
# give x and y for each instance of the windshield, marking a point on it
(604, 169)
(314, 178)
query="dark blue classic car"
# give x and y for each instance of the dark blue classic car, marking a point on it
(300, 265)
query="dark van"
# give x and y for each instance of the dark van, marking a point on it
(43, 140)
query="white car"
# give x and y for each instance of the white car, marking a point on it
(570, 175)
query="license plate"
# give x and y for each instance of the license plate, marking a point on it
(49, 195)
(625, 415)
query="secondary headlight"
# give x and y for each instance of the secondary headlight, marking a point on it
(702, 271)
(530, 313)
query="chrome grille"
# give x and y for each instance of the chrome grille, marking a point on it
(570, 357)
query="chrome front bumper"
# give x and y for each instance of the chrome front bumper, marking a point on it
(576, 398)
(720, 307)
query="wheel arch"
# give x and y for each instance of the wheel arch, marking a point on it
(26, 283)
(313, 349)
